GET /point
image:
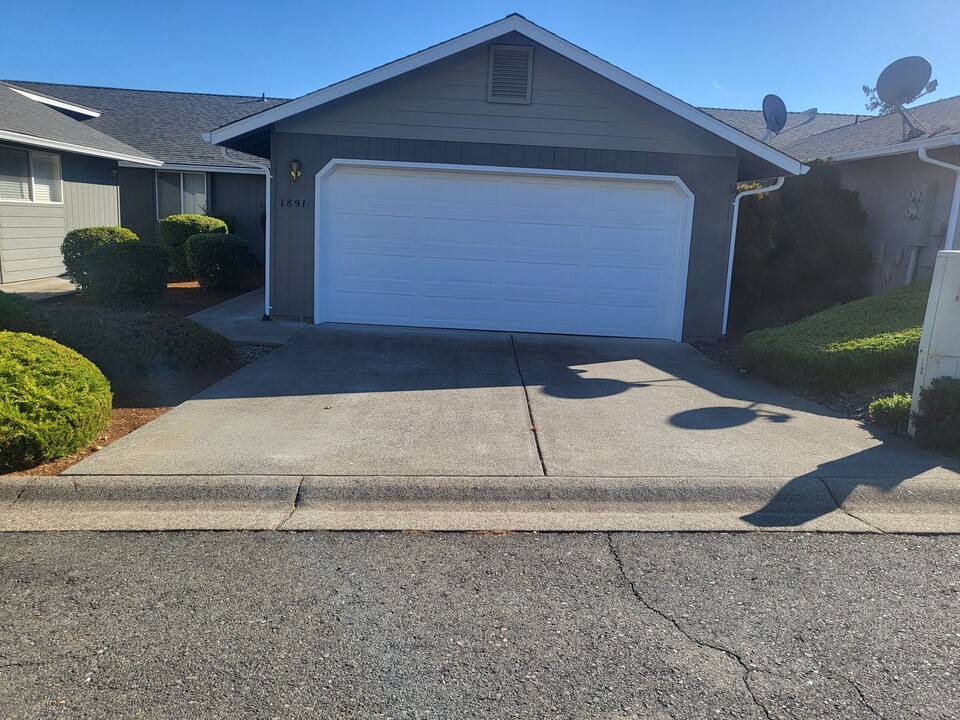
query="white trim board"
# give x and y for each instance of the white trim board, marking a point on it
(899, 148)
(56, 102)
(512, 23)
(78, 149)
(196, 168)
(686, 227)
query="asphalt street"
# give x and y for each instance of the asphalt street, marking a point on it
(396, 625)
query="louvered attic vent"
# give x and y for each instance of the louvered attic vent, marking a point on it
(511, 71)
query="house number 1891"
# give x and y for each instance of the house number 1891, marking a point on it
(292, 203)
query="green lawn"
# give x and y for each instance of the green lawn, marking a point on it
(850, 346)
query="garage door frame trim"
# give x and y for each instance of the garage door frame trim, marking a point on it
(686, 227)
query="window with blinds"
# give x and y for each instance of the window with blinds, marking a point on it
(181, 192)
(511, 74)
(30, 175)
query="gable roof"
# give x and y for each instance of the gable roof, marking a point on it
(519, 24)
(166, 125)
(27, 121)
(883, 134)
(799, 126)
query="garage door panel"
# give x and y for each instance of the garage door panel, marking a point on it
(497, 250)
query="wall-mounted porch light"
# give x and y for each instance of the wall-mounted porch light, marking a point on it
(295, 170)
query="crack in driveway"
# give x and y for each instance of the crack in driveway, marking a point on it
(526, 396)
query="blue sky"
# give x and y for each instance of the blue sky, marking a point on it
(707, 52)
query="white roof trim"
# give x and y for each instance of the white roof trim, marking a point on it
(512, 23)
(78, 149)
(183, 167)
(899, 148)
(56, 102)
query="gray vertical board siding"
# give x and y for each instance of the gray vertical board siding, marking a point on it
(31, 233)
(712, 179)
(883, 184)
(90, 194)
(241, 197)
(137, 201)
(571, 106)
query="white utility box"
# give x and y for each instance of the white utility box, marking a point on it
(940, 340)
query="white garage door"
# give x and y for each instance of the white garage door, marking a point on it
(502, 249)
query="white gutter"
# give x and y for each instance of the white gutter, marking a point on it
(733, 241)
(184, 167)
(268, 177)
(955, 205)
(898, 148)
(78, 149)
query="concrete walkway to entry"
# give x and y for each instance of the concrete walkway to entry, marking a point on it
(42, 289)
(349, 427)
(240, 320)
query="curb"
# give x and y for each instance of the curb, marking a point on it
(232, 502)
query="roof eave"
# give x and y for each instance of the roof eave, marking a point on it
(512, 23)
(35, 141)
(899, 148)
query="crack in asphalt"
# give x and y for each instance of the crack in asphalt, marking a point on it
(526, 395)
(846, 512)
(747, 670)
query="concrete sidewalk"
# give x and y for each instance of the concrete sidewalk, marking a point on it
(240, 320)
(42, 289)
(928, 505)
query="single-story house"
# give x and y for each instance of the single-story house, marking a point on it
(162, 166)
(56, 175)
(911, 203)
(505, 179)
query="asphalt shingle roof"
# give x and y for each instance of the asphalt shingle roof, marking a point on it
(167, 125)
(19, 114)
(797, 128)
(941, 118)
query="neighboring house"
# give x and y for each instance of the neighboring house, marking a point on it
(165, 127)
(56, 175)
(909, 202)
(504, 180)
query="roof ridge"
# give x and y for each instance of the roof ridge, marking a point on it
(139, 90)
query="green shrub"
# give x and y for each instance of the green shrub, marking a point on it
(216, 259)
(124, 276)
(804, 250)
(130, 343)
(18, 314)
(78, 242)
(938, 415)
(892, 413)
(177, 229)
(52, 401)
(846, 347)
(229, 219)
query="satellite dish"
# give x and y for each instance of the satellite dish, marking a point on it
(774, 113)
(903, 80)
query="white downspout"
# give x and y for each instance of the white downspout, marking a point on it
(733, 241)
(948, 242)
(268, 177)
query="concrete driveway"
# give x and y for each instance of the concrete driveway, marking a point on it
(342, 400)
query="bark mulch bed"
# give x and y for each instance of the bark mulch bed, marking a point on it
(853, 404)
(180, 298)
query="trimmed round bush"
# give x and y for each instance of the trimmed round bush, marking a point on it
(177, 229)
(78, 242)
(892, 413)
(18, 314)
(938, 415)
(131, 343)
(126, 276)
(216, 259)
(53, 401)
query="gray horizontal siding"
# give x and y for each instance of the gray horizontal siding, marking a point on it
(711, 178)
(31, 233)
(570, 107)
